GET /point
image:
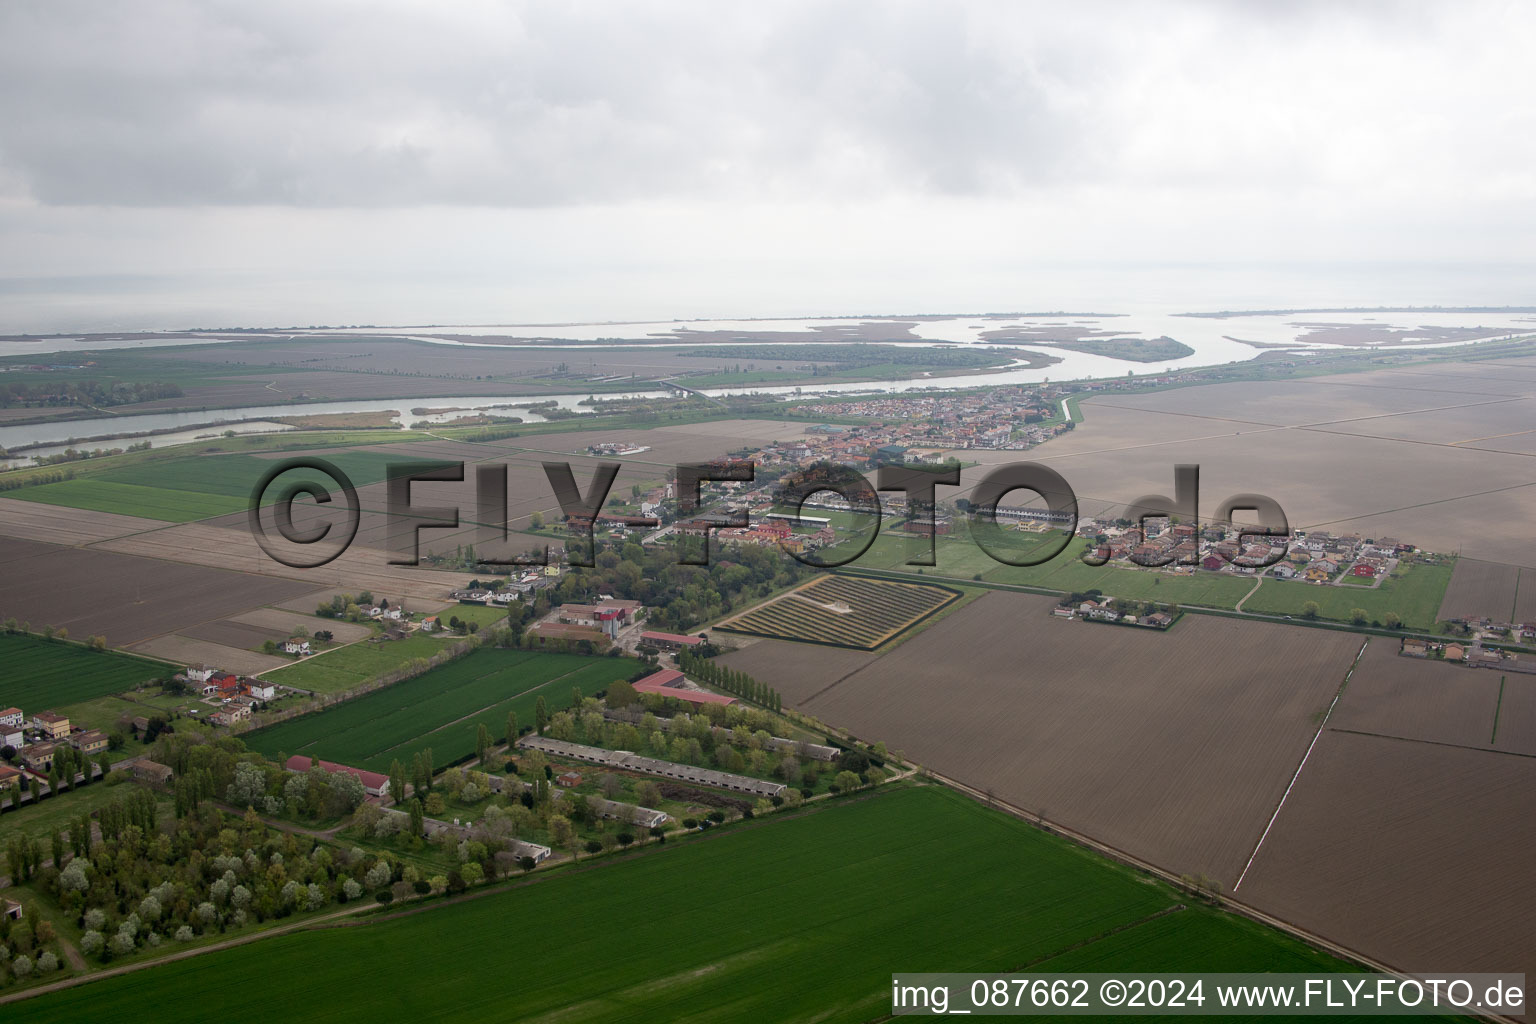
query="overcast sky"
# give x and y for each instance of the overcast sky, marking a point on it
(224, 163)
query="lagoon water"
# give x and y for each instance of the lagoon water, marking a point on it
(1213, 339)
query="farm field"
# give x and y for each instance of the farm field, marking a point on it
(29, 520)
(1416, 598)
(192, 487)
(104, 712)
(484, 614)
(1329, 450)
(287, 623)
(234, 634)
(1002, 895)
(347, 667)
(439, 709)
(41, 675)
(960, 558)
(1387, 846)
(842, 611)
(799, 670)
(1481, 589)
(1525, 597)
(187, 650)
(226, 544)
(123, 597)
(1516, 714)
(1418, 699)
(1174, 746)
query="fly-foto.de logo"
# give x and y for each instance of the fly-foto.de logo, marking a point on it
(305, 512)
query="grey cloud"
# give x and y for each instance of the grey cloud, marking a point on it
(162, 103)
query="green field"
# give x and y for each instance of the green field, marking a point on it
(788, 919)
(40, 674)
(961, 558)
(1415, 597)
(484, 614)
(440, 709)
(344, 668)
(184, 489)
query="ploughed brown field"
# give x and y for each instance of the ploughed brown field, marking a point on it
(1414, 853)
(190, 651)
(1418, 699)
(124, 598)
(230, 546)
(1175, 747)
(233, 634)
(1517, 715)
(288, 623)
(55, 524)
(1480, 589)
(1435, 456)
(799, 671)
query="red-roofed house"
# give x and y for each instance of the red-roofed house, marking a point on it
(374, 784)
(669, 641)
(13, 716)
(669, 683)
(225, 683)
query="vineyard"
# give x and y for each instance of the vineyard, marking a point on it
(843, 611)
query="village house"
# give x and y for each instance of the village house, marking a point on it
(10, 777)
(225, 683)
(1455, 652)
(13, 716)
(229, 714)
(1415, 648)
(260, 689)
(51, 724)
(568, 779)
(91, 742)
(38, 757)
(12, 738)
(295, 645)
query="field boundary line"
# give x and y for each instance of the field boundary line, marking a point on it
(1228, 902)
(1498, 705)
(1433, 743)
(1317, 736)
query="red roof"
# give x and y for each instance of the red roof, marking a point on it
(671, 638)
(668, 683)
(662, 677)
(370, 780)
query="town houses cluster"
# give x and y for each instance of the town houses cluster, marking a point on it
(30, 743)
